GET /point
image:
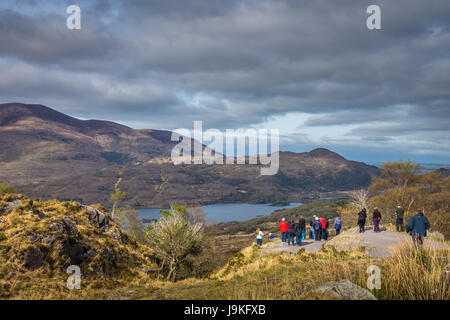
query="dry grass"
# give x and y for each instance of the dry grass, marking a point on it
(414, 273)
(411, 273)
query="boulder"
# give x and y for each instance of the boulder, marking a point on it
(97, 218)
(345, 289)
(69, 226)
(437, 234)
(65, 225)
(10, 206)
(33, 258)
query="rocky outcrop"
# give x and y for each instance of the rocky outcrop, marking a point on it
(68, 234)
(97, 218)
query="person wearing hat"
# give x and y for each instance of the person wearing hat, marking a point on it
(399, 220)
(317, 226)
(283, 228)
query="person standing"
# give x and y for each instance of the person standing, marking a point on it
(338, 224)
(376, 220)
(302, 223)
(283, 228)
(317, 226)
(290, 233)
(259, 236)
(362, 215)
(312, 235)
(399, 219)
(417, 227)
(325, 229)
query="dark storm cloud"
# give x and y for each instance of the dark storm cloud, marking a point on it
(235, 63)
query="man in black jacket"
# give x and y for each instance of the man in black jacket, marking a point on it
(399, 220)
(362, 215)
(299, 233)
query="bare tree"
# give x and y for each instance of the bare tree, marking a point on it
(360, 200)
(196, 215)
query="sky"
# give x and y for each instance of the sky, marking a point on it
(310, 68)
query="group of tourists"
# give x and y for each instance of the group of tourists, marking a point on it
(294, 232)
(319, 228)
(417, 226)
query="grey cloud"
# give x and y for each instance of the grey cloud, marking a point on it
(246, 60)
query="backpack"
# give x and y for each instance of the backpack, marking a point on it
(290, 230)
(317, 225)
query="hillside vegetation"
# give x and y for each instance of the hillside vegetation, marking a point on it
(40, 240)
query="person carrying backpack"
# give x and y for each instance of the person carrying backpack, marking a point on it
(376, 220)
(399, 219)
(298, 233)
(338, 224)
(290, 233)
(417, 227)
(259, 236)
(362, 215)
(317, 226)
(283, 228)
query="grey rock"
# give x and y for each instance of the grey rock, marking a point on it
(66, 225)
(115, 233)
(34, 237)
(345, 289)
(97, 218)
(58, 227)
(69, 226)
(49, 240)
(10, 206)
(437, 234)
(33, 258)
(91, 253)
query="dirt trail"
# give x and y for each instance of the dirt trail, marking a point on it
(377, 244)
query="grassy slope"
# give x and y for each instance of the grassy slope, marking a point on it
(254, 274)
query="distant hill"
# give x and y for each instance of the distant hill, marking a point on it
(48, 154)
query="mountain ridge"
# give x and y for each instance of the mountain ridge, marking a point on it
(48, 154)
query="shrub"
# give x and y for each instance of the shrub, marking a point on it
(6, 188)
(173, 239)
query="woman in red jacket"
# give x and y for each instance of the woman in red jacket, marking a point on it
(283, 228)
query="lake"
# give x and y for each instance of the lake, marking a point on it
(225, 212)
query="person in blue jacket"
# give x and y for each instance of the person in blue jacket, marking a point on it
(417, 226)
(338, 224)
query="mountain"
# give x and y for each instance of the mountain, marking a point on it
(48, 154)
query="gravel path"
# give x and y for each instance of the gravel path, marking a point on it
(377, 244)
